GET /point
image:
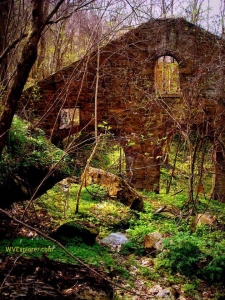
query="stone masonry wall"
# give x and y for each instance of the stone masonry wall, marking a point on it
(127, 100)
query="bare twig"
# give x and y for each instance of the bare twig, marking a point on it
(161, 209)
(84, 173)
(10, 271)
(11, 46)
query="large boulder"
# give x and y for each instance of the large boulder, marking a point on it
(116, 187)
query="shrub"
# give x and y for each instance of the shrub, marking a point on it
(214, 271)
(181, 254)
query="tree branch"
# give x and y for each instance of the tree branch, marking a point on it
(68, 15)
(11, 46)
(51, 14)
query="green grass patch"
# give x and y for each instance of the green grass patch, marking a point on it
(106, 214)
(95, 255)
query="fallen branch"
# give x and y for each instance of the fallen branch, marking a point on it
(10, 271)
(177, 192)
(161, 209)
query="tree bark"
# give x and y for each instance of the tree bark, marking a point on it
(4, 9)
(27, 60)
(28, 57)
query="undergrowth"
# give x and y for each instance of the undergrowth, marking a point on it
(96, 255)
(198, 254)
(94, 207)
(28, 148)
(187, 256)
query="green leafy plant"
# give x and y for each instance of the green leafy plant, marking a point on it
(181, 254)
(132, 248)
(27, 148)
(214, 271)
(190, 288)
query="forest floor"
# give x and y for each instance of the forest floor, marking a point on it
(107, 273)
(24, 277)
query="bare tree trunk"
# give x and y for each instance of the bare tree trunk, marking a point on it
(222, 14)
(27, 60)
(174, 166)
(218, 188)
(191, 176)
(42, 48)
(84, 174)
(200, 187)
(195, 12)
(28, 57)
(4, 11)
(163, 8)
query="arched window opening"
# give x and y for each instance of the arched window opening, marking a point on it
(167, 80)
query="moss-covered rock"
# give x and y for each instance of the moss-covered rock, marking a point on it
(87, 233)
(26, 161)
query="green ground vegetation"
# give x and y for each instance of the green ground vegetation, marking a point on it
(189, 255)
(27, 148)
(194, 255)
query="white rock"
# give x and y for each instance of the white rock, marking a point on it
(117, 238)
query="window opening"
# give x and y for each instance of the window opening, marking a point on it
(69, 117)
(167, 80)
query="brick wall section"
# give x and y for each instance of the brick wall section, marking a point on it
(126, 95)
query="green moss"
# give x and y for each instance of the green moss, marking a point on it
(106, 214)
(30, 148)
(36, 247)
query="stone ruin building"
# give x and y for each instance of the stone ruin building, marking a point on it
(165, 77)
